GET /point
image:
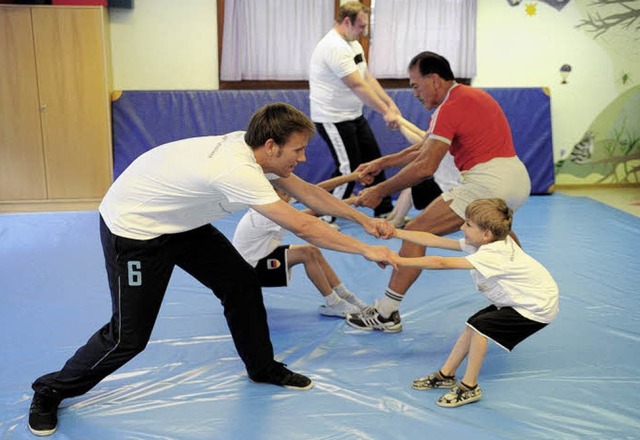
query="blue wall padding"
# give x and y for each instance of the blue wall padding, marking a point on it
(145, 119)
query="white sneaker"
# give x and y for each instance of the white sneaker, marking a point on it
(340, 309)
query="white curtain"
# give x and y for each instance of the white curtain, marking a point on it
(403, 28)
(272, 39)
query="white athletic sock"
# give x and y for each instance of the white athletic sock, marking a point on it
(341, 290)
(349, 296)
(389, 303)
(332, 298)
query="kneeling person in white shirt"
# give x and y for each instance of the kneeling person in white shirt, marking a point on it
(259, 241)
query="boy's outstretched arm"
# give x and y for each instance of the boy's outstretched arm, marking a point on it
(322, 202)
(348, 201)
(428, 239)
(411, 132)
(331, 184)
(435, 262)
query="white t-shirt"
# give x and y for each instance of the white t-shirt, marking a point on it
(256, 236)
(333, 58)
(508, 277)
(183, 185)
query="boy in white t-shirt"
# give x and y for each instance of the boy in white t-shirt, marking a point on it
(523, 295)
(259, 239)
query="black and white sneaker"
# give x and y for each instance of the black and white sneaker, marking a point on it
(371, 319)
(43, 414)
(278, 374)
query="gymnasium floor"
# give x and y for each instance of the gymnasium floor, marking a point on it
(576, 379)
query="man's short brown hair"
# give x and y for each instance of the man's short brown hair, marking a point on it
(276, 121)
(351, 10)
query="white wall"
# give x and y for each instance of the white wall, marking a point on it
(520, 50)
(169, 44)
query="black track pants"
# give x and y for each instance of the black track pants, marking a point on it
(139, 272)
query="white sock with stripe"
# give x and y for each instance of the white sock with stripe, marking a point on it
(389, 303)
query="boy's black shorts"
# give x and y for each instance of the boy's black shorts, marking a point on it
(273, 270)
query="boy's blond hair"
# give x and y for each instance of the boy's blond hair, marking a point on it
(491, 214)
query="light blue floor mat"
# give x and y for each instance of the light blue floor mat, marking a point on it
(576, 379)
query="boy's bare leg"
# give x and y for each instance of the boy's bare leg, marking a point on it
(472, 345)
(329, 273)
(458, 353)
(340, 302)
(477, 351)
(310, 256)
(403, 205)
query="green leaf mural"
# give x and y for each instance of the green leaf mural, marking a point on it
(609, 151)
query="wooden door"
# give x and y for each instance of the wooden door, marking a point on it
(71, 58)
(22, 173)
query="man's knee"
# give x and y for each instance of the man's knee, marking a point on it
(132, 343)
(440, 220)
(409, 250)
(309, 253)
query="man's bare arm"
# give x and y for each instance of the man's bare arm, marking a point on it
(315, 231)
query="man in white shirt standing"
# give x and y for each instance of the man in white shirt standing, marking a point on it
(158, 214)
(339, 84)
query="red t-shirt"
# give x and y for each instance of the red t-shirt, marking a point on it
(474, 126)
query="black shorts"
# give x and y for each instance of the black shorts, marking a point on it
(273, 270)
(504, 326)
(424, 193)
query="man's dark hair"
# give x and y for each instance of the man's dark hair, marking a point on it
(430, 62)
(276, 121)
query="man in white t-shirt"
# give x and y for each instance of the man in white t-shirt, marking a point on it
(158, 214)
(339, 84)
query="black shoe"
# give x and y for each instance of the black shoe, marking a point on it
(277, 374)
(371, 319)
(43, 414)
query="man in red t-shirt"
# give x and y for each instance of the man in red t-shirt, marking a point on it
(469, 124)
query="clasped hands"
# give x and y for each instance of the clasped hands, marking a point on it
(382, 255)
(368, 197)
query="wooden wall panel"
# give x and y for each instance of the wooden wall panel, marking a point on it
(71, 61)
(22, 174)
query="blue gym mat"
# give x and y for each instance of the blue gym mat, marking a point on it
(576, 379)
